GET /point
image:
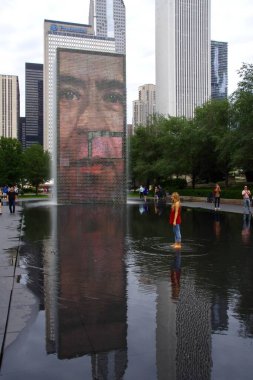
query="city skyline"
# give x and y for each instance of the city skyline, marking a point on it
(21, 39)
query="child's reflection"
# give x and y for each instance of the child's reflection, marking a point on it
(175, 275)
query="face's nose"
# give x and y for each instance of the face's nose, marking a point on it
(93, 115)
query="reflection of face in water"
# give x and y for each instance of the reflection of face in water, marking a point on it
(92, 280)
(91, 105)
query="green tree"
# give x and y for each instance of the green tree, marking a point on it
(213, 122)
(156, 150)
(144, 151)
(242, 120)
(36, 165)
(10, 161)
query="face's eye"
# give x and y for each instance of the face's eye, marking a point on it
(113, 97)
(69, 94)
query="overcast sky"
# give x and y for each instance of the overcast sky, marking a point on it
(21, 36)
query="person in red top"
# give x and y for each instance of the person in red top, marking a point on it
(217, 192)
(175, 219)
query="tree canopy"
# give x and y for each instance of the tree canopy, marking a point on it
(37, 165)
(216, 141)
(10, 161)
(16, 166)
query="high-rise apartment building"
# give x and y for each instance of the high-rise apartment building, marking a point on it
(9, 106)
(183, 64)
(108, 19)
(145, 106)
(59, 34)
(33, 104)
(219, 69)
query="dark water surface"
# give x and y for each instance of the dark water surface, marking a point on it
(115, 301)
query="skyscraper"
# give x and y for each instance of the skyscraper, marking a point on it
(183, 74)
(107, 18)
(33, 104)
(145, 106)
(9, 106)
(219, 69)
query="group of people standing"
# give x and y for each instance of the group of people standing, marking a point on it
(158, 192)
(175, 212)
(246, 195)
(10, 195)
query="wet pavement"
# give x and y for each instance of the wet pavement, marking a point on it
(97, 293)
(15, 301)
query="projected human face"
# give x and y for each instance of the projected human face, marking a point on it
(91, 106)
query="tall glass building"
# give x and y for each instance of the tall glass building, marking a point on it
(108, 19)
(33, 104)
(219, 69)
(183, 64)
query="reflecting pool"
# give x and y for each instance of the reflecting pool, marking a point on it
(113, 300)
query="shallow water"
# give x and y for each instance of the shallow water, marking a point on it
(115, 301)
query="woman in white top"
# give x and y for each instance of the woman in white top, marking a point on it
(246, 194)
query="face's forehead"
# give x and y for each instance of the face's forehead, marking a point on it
(94, 65)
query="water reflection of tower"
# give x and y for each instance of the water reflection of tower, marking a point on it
(91, 311)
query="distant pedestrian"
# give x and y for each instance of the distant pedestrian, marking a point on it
(141, 190)
(246, 195)
(12, 196)
(156, 193)
(217, 192)
(145, 193)
(5, 191)
(1, 195)
(175, 219)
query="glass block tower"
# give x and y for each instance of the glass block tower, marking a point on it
(219, 69)
(107, 18)
(59, 34)
(183, 64)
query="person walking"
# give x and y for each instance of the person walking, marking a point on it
(12, 196)
(217, 192)
(246, 195)
(175, 219)
(141, 190)
(145, 193)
